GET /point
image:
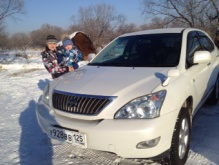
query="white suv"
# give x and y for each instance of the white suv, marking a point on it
(137, 97)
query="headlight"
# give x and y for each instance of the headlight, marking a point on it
(46, 94)
(145, 107)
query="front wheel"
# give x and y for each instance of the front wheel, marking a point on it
(181, 139)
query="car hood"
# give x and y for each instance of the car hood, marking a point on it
(111, 81)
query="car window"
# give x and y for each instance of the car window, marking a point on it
(193, 45)
(206, 42)
(148, 50)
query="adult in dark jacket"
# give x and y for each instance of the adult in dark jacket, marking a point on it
(51, 58)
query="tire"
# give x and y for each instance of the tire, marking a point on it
(181, 139)
(214, 97)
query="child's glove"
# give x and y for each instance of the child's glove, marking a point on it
(75, 65)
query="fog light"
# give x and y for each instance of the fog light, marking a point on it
(148, 143)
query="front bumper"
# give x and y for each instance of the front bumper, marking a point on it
(118, 136)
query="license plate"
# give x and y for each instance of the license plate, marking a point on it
(72, 137)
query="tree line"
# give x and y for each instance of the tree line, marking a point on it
(102, 23)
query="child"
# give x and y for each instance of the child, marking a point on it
(71, 55)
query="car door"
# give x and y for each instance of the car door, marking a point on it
(208, 45)
(199, 74)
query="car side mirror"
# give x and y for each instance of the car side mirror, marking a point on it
(201, 57)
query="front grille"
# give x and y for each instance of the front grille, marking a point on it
(79, 104)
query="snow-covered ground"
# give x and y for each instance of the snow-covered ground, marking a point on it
(23, 143)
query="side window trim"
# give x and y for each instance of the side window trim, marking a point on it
(210, 43)
(191, 37)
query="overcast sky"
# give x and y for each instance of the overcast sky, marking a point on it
(59, 12)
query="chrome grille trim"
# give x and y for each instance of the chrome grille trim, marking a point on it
(80, 103)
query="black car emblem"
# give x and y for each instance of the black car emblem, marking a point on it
(72, 103)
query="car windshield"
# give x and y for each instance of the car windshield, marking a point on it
(149, 50)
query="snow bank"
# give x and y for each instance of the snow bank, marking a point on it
(21, 66)
(16, 60)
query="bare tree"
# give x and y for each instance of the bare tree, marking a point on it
(98, 22)
(20, 41)
(215, 13)
(10, 7)
(38, 37)
(3, 39)
(125, 28)
(192, 13)
(156, 23)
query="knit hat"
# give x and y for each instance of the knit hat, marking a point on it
(51, 39)
(67, 42)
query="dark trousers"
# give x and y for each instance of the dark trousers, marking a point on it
(56, 75)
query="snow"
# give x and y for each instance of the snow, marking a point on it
(22, 142)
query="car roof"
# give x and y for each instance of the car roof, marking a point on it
(156, 31)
